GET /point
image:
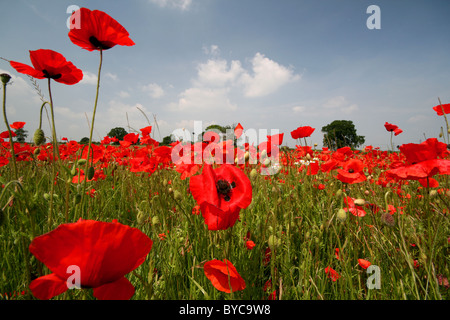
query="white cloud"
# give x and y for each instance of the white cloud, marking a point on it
(298, 109)
(340, 104)
(154, 90)
(335, 102)
(217, 73)
(89, 78)
(268, 76)
(217, 79)
(124, 94)
(178, 4)
(111, 76)
(205, 99)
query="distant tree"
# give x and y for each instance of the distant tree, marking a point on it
(117, 132)
(84, 140)
(21, 135)
(167, 140)
(341, 133)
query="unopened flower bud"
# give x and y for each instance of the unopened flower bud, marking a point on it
(360, 202)
(341, 215)
(39, 137)
(253, 174)
(5, 78)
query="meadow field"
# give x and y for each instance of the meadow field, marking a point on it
(214, 219)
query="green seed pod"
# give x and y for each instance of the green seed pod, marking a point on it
(81, 162)
(341, 215)
(36, 151)
(90, 173)
(39, 137)
(46, 196)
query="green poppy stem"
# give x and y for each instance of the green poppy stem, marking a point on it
(55, 155)
(92, 127)
(11, 142)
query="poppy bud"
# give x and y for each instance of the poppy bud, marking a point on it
(246, 155)
(81, 162)
(5, 78)
(388, 219)
(253, 174)
(77, 199)
(177, 195)
(36, 151)
(140, 217)
(73, 172)
(359, 202)
(339, 193)
(155, 220)
(433, 193)
(274, 242)
(39, 137)
(341, 215)
(90, 173)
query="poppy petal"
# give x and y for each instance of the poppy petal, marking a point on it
(47, 287)
(121, 289)
(26, 69)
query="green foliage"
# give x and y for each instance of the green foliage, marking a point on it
(21, 135)
(341, 133)
(117, 132)
(84, 140)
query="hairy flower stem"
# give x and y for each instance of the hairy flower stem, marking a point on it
(446, 121)
(55, 155)
(13, 156)
(92, 128)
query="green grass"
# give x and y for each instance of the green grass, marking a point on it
(295, 219)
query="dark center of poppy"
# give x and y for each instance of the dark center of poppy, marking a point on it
(224, 188)
(47, 75)
(351, 170)
(98, 44)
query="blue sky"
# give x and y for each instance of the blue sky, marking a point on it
(268, 64)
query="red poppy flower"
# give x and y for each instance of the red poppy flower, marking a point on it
(364, 263)
(17, 125)
(429, 149)
(5, 134)
(238, 131)
(354, 209)
(50, 64)
(397, 131)
(104, 253)
(332, 274)
(250, 244)
(421, 170)
(352, 172)
(222, 274)
(390, 127)
(302, 132)
(221, 194)
(439, 108)
(98, 31)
